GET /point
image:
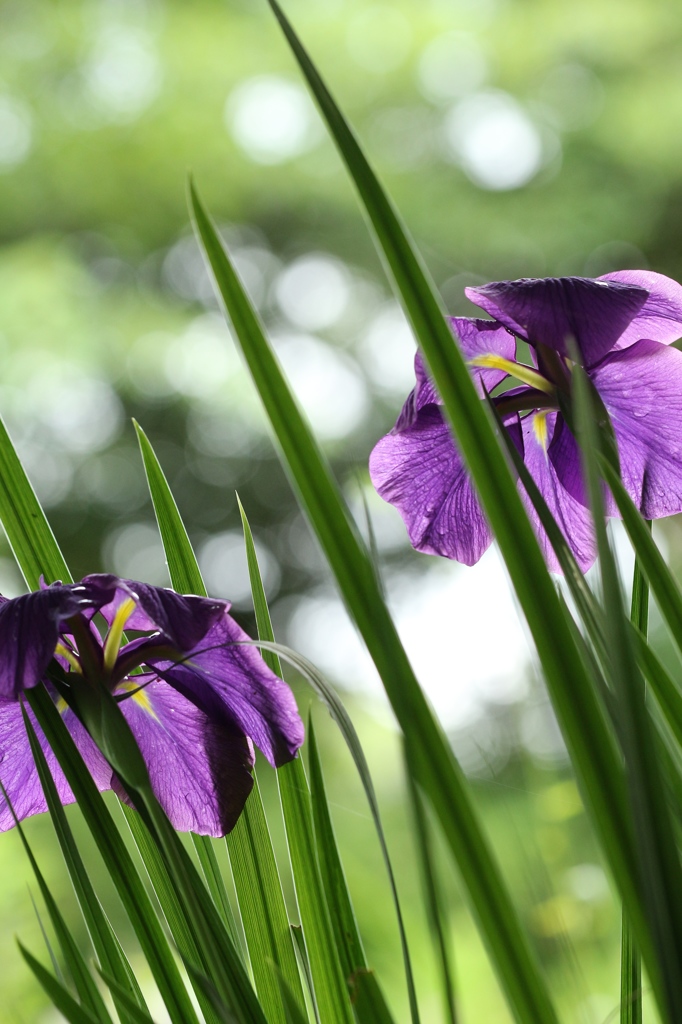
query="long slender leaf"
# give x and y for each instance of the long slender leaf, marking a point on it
(440, 774)
(108, 949)
(326, 970)
(348, 940)
(135, 1013)
(88, 993)
(434, 903)
(60, 996)
(660, 870)
(585, 729)
(257, 882)
(117, 859)
(630, 960)
(168, 900)
(338, 712)
(661, 580)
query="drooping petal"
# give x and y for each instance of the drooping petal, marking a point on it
(641, 387)
(475, 338)
(660, 318)
(420, 471)
(225, 676)
(549, 310)
(572, 517)
(29, 631)
(183, 619)
(19, 774)
(199, 766)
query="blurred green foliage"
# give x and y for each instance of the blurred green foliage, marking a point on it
(518, 138)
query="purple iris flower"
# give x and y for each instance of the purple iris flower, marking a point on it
(196, 698)
(623, 325)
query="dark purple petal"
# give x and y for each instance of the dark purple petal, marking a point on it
(199, 766)
(549, 310)
(572, 517)
(223, 677)
(184, 620)
(29, 630)
(421, 472)
(641, 388)
(19, 774)
(660, 318)
(475, 338)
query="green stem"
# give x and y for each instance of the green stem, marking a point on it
(630, 961)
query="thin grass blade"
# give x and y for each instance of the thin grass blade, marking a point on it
(259, 890)
(630, 959)
(329, 984)
(60, 996)
(119, 864)
(107, 947)
(434, 898)
(660, 870)
(507, 944)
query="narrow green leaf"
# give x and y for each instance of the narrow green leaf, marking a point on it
(220, 1010)
(434, 900)
(116, 858)
(441, 777)
(88, 993)
(215, 883)
(107, 947)
(28, 531)
(368, 1000)
(348, 941)
(345, 925)
(218, 957)
(661, 580)
(338, 712)
(257, 883)
(48, 945)
(329, 985)
(292, 1008)
(587, 733)
(666, 691)
(135, 1013)
(660, 871)
(60, 996)
(168, 899)
(630, 960)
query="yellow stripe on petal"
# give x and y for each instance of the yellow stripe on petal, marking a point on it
(540, 428)
(491, 361)
(112, 644)
(73, 661)
(140, 696)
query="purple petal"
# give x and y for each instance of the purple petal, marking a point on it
(549, 310)
(184, 620)
(421, 473)
(572, 517)
(29, 630)
(19, 774)
(199, 766)
(641, 387)
(475, 338)
(221, 676)
(660, 318)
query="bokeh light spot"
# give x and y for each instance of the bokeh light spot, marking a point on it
(272, 119)
(494, 140)
(313, 291)
(16, 134)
